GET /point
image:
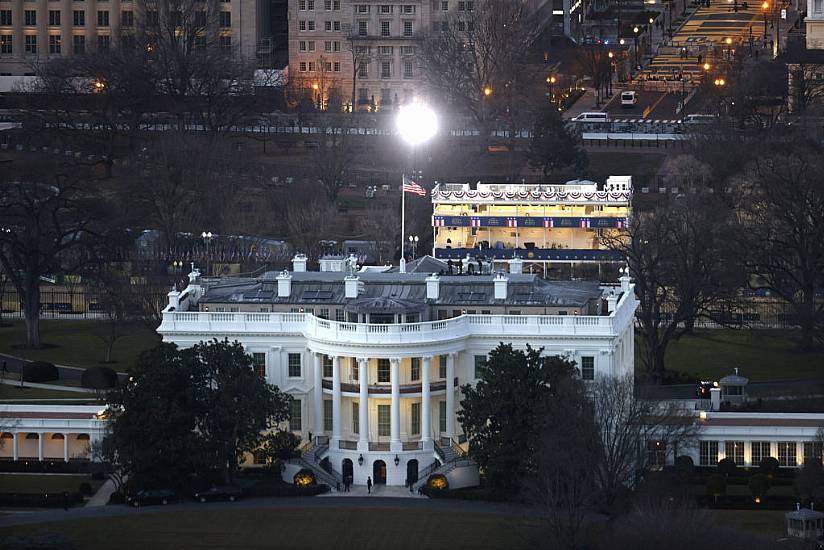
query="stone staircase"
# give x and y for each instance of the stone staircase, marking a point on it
(449, 457)
(311, 458)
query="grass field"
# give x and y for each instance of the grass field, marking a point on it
(38, 483)
(759, 355)
(334, 528)
(77, 344)
(763, 522)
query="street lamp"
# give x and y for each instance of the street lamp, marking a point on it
(551, 80)
(413, 244)
(764, 7)
(707, 66)
(487, 91)
(416, 124)
(207, 239)
(636, 30)
(720, 82)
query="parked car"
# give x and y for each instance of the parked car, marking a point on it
(220, 492)
(153, 496)
(629, 98)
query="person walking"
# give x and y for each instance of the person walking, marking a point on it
(5, 371)
(369, 485)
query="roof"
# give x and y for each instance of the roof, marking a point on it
(308, 288)
(384, 304)
(804, 514)
(734, 380)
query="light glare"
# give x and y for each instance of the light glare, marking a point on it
(416, 123)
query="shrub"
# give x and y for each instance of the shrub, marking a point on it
(727, 466)
(716, 486)
(304, 478)
(769, 466)
(40, 371)
(117, 498)
(99, 378)
(759, 486)
(684, 465)
(437, 482)
(809, 481)
(285, 490)
(85, 489)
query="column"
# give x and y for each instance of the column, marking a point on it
(40, 437)
(15, 452)
(395, 433)
(450, 396)
(318, 395)
(363, 406)
(66, 447)
(335, 403)
(426, 422)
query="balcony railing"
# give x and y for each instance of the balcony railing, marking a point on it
(440, 385)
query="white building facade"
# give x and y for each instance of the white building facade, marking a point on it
(374, 361)
(50, 432)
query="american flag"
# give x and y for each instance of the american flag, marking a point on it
(512, 222)
(437, 221)
(410, 186)
(584, 222)
(548, 222)
(475, 222)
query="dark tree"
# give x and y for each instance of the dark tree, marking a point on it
(554, 145)
(504, 414)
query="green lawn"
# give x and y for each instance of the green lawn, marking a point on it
(334, 528)
(39, 483)
(759, 355)
(763, 522)
(77, 344)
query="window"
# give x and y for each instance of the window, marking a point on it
(588, 368)
(259, 364)
(294, 365)
(224, 42)
(415, 370)
(442, 366)
(302, 66)
(355, 367)
(327, 415)
(310, 25)
(363, 71)
(407, 29)
(384, 427)
(54, 18)
(385, 28)
(708, 453)
(327, 366)
(385, 9)
(442, 416)
(444, 5)
(302, 45)
(386, 50)
(656, 453)
(407, 9)
(340, 315)
(225, 19)
(327, 46)
(445, 26)
(30, 17)
(813, 451)
(362, 8)
(311, 45)
(383, 370)
(5, 18)
(103, 18)
(363, 28)
(336, 25)
(355, 417)
(336, 66)
(760, 451)
(295, 415)
(6, 41)
(103, 43)
(79, 18)
(311, 66)
(30, 45)
(302, 5)
(310, 5)
(415, 418)
(302, 25)
(54, 43)
(78, 45)
(786, 454)
(479, 365)
(386, 69)
(127, 19)
(363, 96)
(735, 451)
(407, 69)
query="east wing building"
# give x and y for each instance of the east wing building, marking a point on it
(374, 361)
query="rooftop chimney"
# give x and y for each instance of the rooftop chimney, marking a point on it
(516, 265)
(433, 287)
(715, 399)
(174, 300)
(351, 286)
(612, 302)
(284, 284)
(500, 281)
(299, 263)
(625, 280)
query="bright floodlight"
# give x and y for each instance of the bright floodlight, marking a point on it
(416, 123)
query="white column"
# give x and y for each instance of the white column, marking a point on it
(15, 452)
(363, 413)
(450, 396)
(65, 447)
(426, 422)
(335, 403)
(318, 395)
(40, 446)
(395, 437)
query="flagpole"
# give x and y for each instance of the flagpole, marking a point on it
(402, 262)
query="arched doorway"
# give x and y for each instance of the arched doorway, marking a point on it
(412, 471)
(347, 469)
(379, 472)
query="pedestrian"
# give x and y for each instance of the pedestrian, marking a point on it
(5, 370)
(369, 485)
(310, 436)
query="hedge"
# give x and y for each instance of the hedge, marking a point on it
(285, 490)
(99, 378)
(38, 500)
(40, 371)
(34, 466)
(466, 493)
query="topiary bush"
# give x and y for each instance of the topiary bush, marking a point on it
(716, 486)
(759, 486)
(40, 371)
(304, 478)
(99, 378)
(438, 482)
(727, 466)
(684, 465)
(769, 466)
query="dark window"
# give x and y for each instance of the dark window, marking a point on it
(6, 41)
(259, 364)
(415, 417)
(5, 18)
(480, 361)
(225, 20)
(30, 44)
(415, 371)
(103, 43)
(54, 18)
(103, 18)
(735, 451)
(79, 45)
(442, 366)
(295, 416)
(30, 17)
(383, 370)
(656, 453)
(54, 43)
(127, 19)
(384, 426)
(442, 416)
(588, 368)
(294, 365)
(79, 18)
(327, 415)
(327, 366)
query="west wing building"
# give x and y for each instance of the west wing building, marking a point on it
(374, 361)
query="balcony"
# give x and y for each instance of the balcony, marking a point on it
(379, 389)
(532, 254)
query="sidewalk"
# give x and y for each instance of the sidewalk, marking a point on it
(586, 104)
(378, 491)
(101, 497)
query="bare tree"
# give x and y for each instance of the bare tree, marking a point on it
(114, 300)
(595, 62)
(333, 157)
(382, 226)
(308, 216)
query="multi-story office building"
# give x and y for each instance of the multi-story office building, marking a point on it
(374, 361)
(34, 31)
(537, 223)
